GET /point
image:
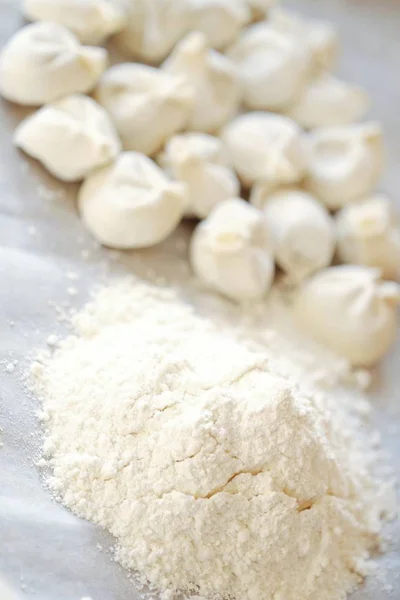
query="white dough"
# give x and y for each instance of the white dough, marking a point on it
(200, 160)
(345, 163)
(350, 310)
(266, 147)
(147, 105)
(153, 28)
(231, 251)
(320, 36)
(92, 21)
(327, 100)
(131, 204)
(214, 78)
(368, 233)
(71, 137)
(44, 62)
(272, 66)
(220, 20)
(302, 228)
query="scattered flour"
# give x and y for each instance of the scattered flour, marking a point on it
(224, 464)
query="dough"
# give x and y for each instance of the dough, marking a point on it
(302, 228)
(44, 62)
(220, 20)
(131, 203)
(327, 101)
(231, 251)
(200, 160)
(368, 233)
(273, 67)
(266, 147)
(92, 21)
(153, 28)
(345, 163)
(214, 78)
(350, 310)
(146, 104)
(71, 137)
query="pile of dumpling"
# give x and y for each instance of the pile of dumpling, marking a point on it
(218, 100)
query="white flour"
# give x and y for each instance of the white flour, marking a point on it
(221, 467)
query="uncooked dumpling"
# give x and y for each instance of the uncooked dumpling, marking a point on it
(232, 251)
(131, 203)
(214, 79)
(302, 228)
(326, 101)
(147, 105)
(265, 147)
(345, 163)
(273, 68)
(92, 21)
(71, 137)
(153, 28)
(220, 20)
(44, 62)
(368, 233)
(320, 36)
(200, 160)
(350, 310)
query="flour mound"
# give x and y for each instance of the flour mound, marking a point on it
(220, 472)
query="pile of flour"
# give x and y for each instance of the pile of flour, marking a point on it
(223, 467)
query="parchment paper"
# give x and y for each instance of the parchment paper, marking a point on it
(45, 552)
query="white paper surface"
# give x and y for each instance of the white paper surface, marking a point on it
(45, 552)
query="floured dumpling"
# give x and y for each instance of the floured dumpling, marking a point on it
(44, 62)
(131, 203)
(71, 137)
(220, 20)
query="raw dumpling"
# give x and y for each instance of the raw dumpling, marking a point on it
(131, 203)
(273, 68)
(71, 137)
(327, 101)
(44, 62)
(146, 104)
(220, 20)
(153, 28)
(92, 21)
(345, 163)
(200, 160)
(350, 310)
(231, 251)
(368, 233)
(320, 36)
(302, 228)
(214, 79)
(265, 147)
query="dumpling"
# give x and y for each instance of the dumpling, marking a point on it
(71, 137)
(265, 147)
(231, 251)
(320, 36)
(302, 228)
(92, 21)
(273, 68)
(131, 203)
(350, 310)
(368, 233)
(44, 62)
(153, 28)
(345, 163)
(147, 105)
(260, 8)
(214, 79)
(200, 160)
(327, 101)
(220, 20)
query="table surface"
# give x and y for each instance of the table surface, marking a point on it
(46, 552)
